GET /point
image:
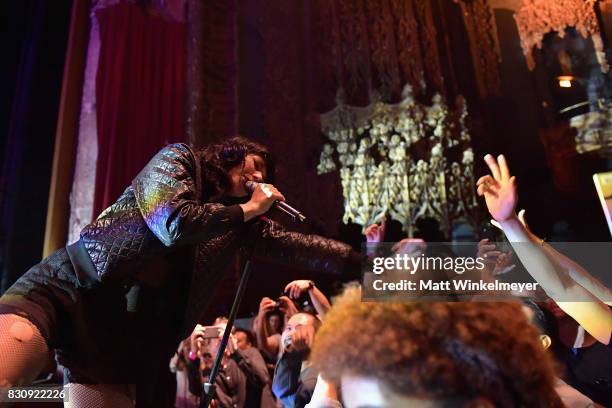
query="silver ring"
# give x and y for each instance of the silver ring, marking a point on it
(266, 190)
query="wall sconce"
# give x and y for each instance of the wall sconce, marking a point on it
(565, 81)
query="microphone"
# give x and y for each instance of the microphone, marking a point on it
(281, 205)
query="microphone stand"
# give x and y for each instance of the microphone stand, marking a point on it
(208, 389)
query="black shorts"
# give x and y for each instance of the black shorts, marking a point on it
(88, 324)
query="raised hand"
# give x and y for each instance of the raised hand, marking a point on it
(266, 306)
(488, 251)
(302, 338)
(376, 232)
(498, 189)
(412, 247)
(196, 341)
(296, 288)
(287, 307)
(497, 261)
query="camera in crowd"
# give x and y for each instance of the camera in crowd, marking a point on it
(302, 304)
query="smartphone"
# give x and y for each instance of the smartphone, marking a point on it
(212, 332)
(488, 232)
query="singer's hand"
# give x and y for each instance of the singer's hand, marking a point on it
(262, 199)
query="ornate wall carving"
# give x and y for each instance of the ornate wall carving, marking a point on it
(212, 65)
(377, 46)
(372, 148)
(479, 21)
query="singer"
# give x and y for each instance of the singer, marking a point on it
(114, 305)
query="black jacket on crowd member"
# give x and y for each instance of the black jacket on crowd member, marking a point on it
(255, 393)
(115, 304)
(231, 384)
(589, 370)
(253, 365)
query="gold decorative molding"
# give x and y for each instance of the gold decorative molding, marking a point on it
(536, 18)
(373, 148)
(377, 46)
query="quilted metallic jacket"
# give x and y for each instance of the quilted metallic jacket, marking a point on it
(161, 224)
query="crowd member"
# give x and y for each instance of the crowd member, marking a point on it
(230, 383)
(589, 318)
(586, 361)
(178, 365)
(325, 395)
(143, 247)
(297, 288)
(273, 314)
(558, 276)
(275, 322)
(243, 379)
(496, 262)
(245, 340)
(502, 265)
(268, 325)
(570, 397)
(295, 377)
(246, 345)
(375, 233)
(413, 248)
(433, 354)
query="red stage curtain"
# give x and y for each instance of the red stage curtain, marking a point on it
(140, 94)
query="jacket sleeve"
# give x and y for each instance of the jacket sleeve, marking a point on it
(310, 252)
(253, 366)
(193, 377)
(166, 196)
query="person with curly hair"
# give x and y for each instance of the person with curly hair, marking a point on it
(433, 354)
(113, 305)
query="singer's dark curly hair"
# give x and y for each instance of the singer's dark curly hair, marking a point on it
(217, 159)
(472, 353)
